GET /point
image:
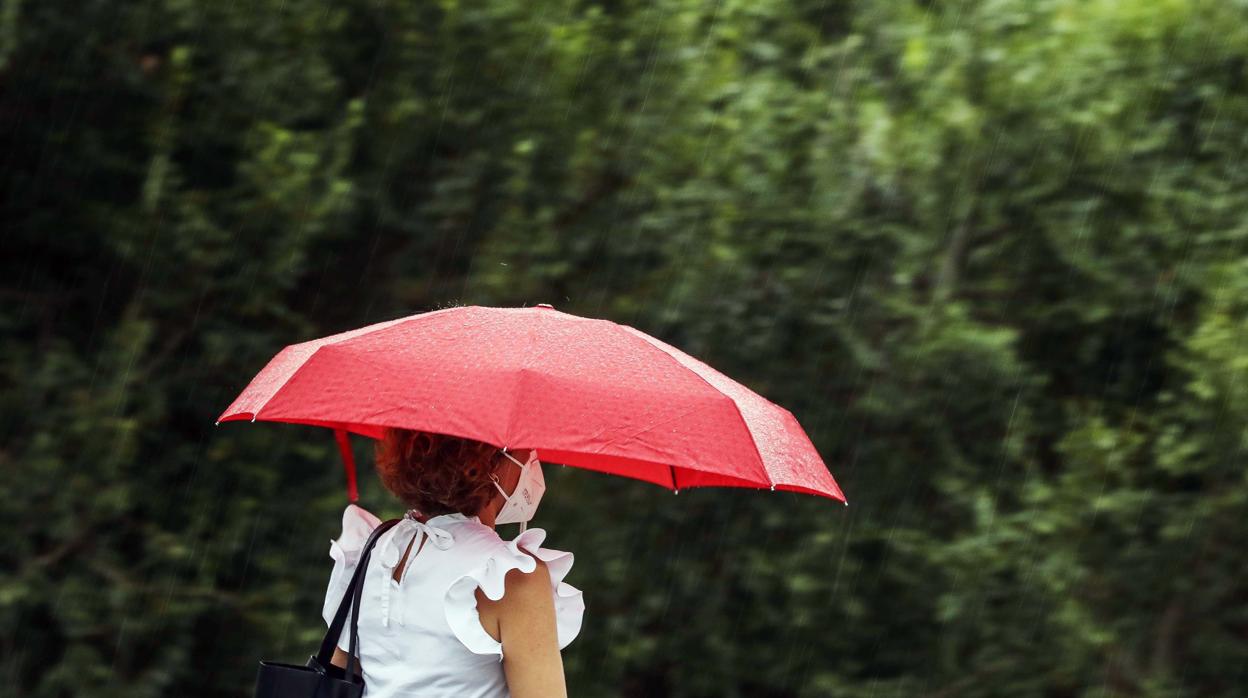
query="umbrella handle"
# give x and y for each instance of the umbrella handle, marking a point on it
(348, 463)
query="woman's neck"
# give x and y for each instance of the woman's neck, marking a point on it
(485, 516)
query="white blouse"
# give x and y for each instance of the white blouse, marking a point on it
(421, 636)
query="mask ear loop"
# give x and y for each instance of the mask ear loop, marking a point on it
(532, 462)
(498, 486)
(524, 525)
(513, 460)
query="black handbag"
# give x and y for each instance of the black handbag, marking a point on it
(319, 678)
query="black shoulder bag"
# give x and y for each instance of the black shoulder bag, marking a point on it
(319, 678)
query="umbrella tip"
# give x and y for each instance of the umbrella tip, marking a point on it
(216, 423)
(253, 417)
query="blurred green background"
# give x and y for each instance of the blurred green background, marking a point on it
(993, 255)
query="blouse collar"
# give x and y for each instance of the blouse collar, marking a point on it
(441, 519)
(435, 529)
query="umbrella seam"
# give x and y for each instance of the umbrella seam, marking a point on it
(522, 371)
(255, 415)
(761, 464)
(321, 344)
(649, 427)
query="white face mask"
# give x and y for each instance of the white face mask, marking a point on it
(520, 506)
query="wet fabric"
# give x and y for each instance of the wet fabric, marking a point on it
(583, 392)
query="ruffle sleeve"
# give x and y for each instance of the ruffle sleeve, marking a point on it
(519, 553)
(357, 525)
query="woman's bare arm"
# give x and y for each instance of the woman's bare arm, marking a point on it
(526, 624)
(340, 658)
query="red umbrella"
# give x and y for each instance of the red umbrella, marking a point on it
(583, 392)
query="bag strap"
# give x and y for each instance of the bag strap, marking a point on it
(351, 599)
(353, 646)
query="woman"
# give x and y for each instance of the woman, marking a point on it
(449, 608)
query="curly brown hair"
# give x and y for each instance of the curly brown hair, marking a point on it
(436, 473)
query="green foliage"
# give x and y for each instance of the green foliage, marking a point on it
(992, 254)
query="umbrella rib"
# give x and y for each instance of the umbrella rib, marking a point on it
(323, 342)
(649, 427)
(278, 389)
(521, 372)
(657, 344)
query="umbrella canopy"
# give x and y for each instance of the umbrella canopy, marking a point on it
(583, 392)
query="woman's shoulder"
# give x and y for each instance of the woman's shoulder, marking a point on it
(521, 565)
(496, 556)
